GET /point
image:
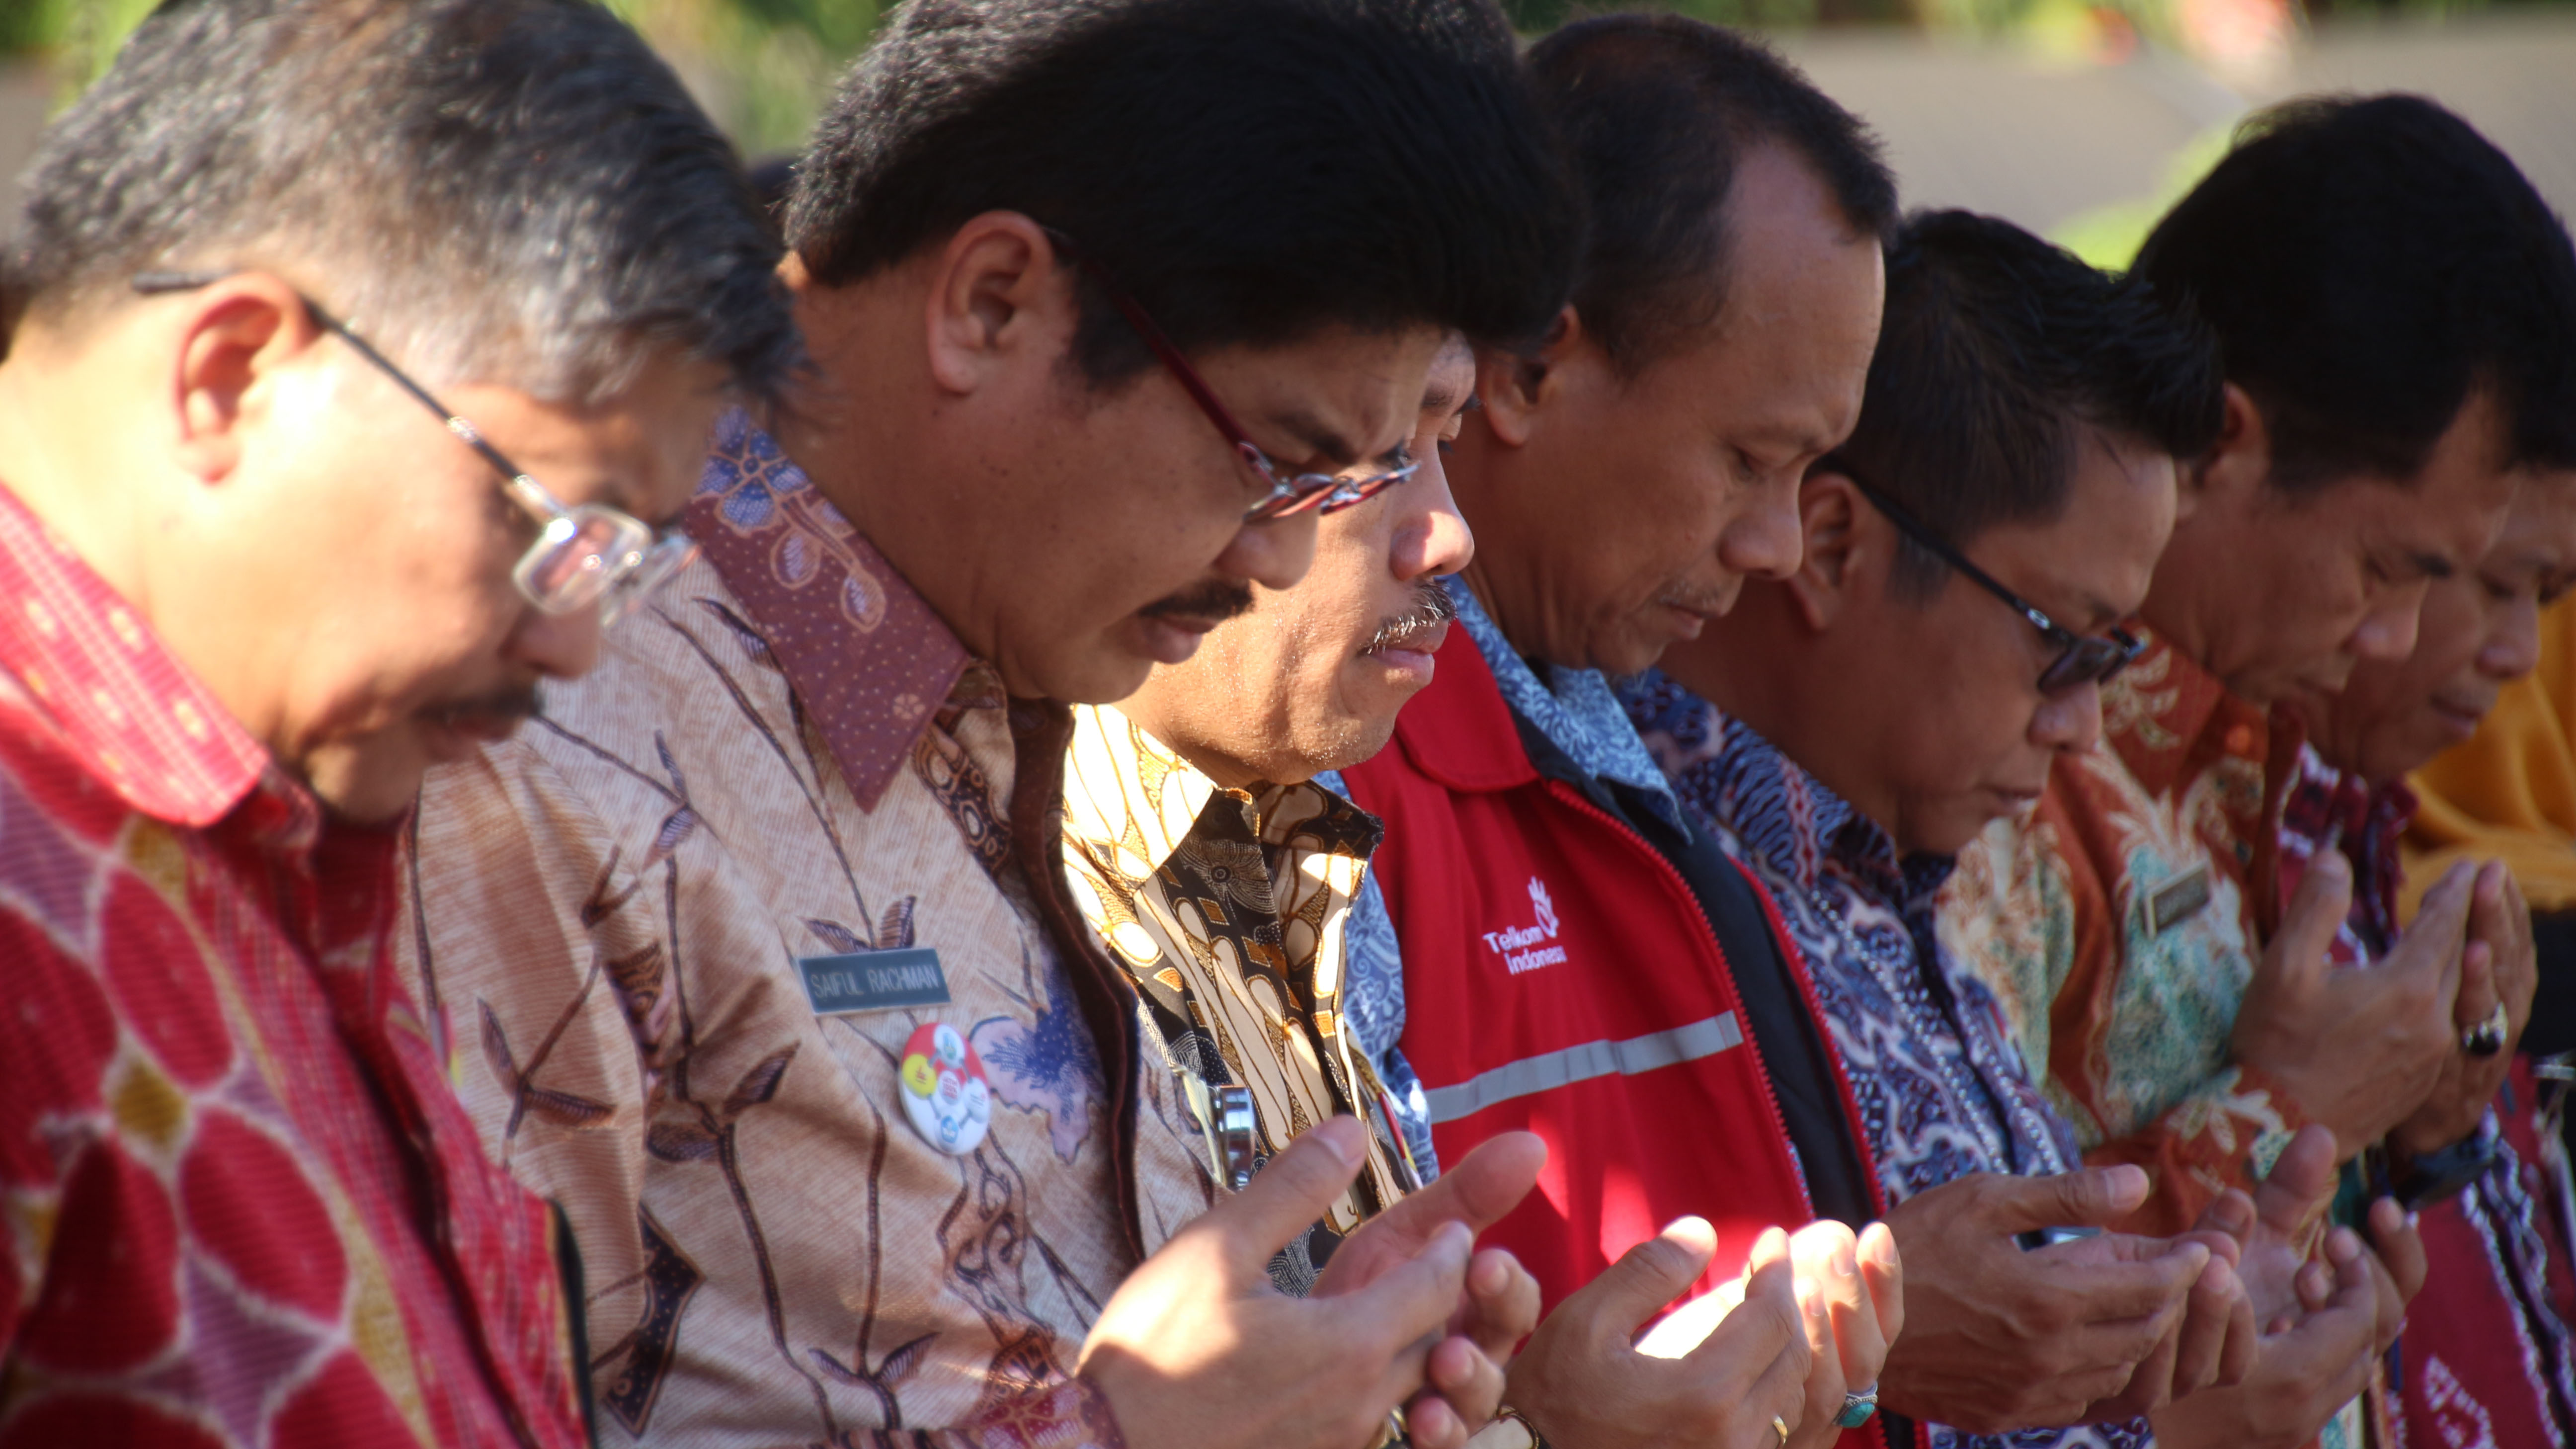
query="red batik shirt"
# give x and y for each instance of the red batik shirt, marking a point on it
(239, 1205)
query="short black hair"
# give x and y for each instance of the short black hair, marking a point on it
(2368, 264)
(504, 191)
(1657, 114)
(1996, 351)
(1250, 171)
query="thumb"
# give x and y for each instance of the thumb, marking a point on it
(1285, 1198)
(2095, 1197)
(1654, 1273)
(2297, 956)
(2299, 1182)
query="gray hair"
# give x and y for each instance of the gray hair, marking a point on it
(502, 191)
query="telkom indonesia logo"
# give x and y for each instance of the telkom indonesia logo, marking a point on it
(1519, 945)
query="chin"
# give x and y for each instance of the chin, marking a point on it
(372, 785)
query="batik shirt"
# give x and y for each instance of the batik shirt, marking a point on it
(1940, 1084)
(1226, 908)
(2119, 924)
(239, 1205)
(826, 1190)
(1578, 711)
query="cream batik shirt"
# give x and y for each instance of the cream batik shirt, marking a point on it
(1227, 908)
(805, 1218)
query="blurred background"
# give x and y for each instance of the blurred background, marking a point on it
(2080, 119)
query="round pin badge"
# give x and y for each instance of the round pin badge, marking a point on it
(944, 1090)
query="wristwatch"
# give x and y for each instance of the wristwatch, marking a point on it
(2434, 1176)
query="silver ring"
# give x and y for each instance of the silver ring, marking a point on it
(2487, 1037)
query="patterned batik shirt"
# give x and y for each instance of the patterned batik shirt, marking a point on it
(1940, 1084)
(767, 987)
(1226, 907)
(2118, 926)
(239, 1205)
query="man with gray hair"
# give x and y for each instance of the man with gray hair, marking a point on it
(260, 572)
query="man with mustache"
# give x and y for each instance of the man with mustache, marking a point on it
(259, 572)
(765, 929)
(2491, 1242)
(1209, 845)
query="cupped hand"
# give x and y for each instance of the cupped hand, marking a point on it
(1197, 1348)
(2499, 966)
(2108, 1326)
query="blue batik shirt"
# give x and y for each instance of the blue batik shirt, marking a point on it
(1940, 1082)
(1579, 713)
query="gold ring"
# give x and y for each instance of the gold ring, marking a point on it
(1780, 1427)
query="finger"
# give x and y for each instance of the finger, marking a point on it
(2205, 1326)
(1826, 1377)
(2400, 1247)
(2432, 943)
(2477, 997)
(2300, 1182)
(1849, 1318)
(1502, 1301)
(2244, 1343)
(2095, 1197)
(1483, 1186)
(2296, 959)
(1405, 1312)
(1765, 1326)
(1885, 1271)
(1281, 1202)
(1655, 1272)
(1466, 1386)
(2128, 1294)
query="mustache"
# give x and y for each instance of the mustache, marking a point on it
(510, 706)
(1214, 600)
(1431, 605)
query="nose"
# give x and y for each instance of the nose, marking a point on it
(1274, 554)
(558, 646)
(2387, 632)
(2070, 723)
(1765, 541)
(2512, 650)
(1431, 535)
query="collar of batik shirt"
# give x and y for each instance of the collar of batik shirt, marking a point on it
(1227, 907)
(2325, 806)
(136, 718)
(869, 659)
(1575, 708)
(2168, 719)
(1742, 783)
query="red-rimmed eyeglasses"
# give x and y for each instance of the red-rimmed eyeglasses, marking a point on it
(1290, 493)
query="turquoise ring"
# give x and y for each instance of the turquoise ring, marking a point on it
(1857, 1408)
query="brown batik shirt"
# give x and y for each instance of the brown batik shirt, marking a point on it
(760, 964)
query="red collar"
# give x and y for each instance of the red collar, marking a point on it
(1458, 730)
(119, 701)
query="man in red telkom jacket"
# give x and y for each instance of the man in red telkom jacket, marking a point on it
(1577, 960)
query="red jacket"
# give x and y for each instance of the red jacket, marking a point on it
(1562, 975)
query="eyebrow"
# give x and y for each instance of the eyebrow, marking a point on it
(1318, 436)
(2432, 565)
(1442, 401)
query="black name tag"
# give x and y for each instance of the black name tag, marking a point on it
(874, 980)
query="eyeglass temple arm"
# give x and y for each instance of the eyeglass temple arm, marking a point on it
(1152, 334)
(154, 284)
(1939, 546)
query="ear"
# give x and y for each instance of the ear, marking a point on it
(999, 292)
(2235, 466)
(1830, 515)
(233, 335)
(1516, 386)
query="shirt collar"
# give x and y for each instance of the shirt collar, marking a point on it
(2168, 719)
(1774, 808)
(123, 704)
(1575, 708)
(867, 655)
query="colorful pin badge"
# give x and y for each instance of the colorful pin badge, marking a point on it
(944, 1089)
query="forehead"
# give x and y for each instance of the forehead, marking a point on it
(2540, 529)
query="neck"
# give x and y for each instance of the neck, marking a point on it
(57, 447)
(1146, 709)
(1481, 471)
(1763, 667)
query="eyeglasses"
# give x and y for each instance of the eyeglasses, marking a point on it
(1290, 493)
(586, 555)
(2081, 658)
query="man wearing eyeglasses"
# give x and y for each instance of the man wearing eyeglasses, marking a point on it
(778, 986)
(2397, 311)
(2013, 468)
(259, 572)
